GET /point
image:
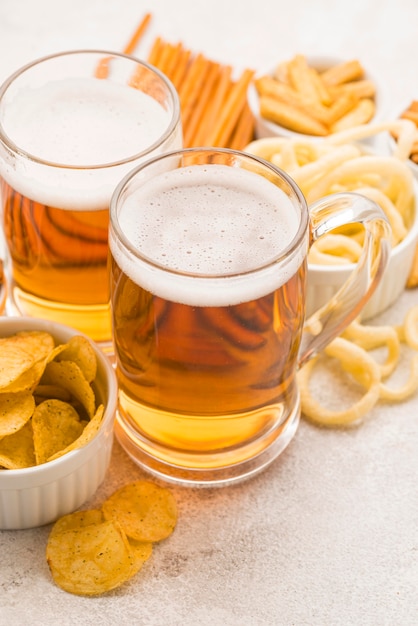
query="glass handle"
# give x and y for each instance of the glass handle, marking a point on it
(327, 214)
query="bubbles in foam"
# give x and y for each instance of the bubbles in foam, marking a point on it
(210, 221)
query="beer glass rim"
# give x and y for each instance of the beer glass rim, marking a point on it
(284, 253)
(13, 147)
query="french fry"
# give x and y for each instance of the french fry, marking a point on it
(360, 114)
(343, 73)
(361, 88)
(291, 117)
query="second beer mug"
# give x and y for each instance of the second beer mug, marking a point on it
(208, 271)
(71, 126)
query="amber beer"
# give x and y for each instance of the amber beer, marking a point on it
(67, 137)
(206, 330)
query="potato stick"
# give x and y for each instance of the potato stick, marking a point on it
(244, 130)
(300, 78)
(141, 28)
(323, 93)
(399, 230)
(361, 113)
(291, 117)
(197, 115)
(102, 69)
(413, 272)
(197, 64)
(173, 61)
(231, 110)
(361, 88)
(192, 85)
(165, 58)
(222, 88)
(155, 51)
(267, 86)
(341, 107)
(343, 73)
(180, 70)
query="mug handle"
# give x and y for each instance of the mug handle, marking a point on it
(331, 319)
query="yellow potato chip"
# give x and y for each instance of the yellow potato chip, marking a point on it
(15, 410)
(17, 451)
(80, 351)
(14, 362)
(34, 342)
(47, 392)
(56, 424)
(141, 551)
(146, 512)
(29, 379)
(90, 559)
(68, 375)
(89, 430)
(78, 519)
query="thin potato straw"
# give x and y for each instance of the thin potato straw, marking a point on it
(102, 69)
(231, 111)
(201, 103)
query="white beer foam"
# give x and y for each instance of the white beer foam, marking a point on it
(73, 123)
(214, 222)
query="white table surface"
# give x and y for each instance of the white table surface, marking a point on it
(328, 535)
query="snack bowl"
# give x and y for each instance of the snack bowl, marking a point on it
(324, 281)
(267, 128)
(40, 494)
(402, 113)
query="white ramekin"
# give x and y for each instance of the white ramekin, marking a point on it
(267, 128)
(39, 495)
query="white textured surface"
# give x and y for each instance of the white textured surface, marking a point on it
(328, 536)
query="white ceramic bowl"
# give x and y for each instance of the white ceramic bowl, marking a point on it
(325, 280)
(39, 495)
(267, 128)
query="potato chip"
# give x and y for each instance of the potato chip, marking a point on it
(80, 351)
(36, 343)
(78, 519)
(146, 512)
(17, 451)
(14, 362)
(89, 430)
(28, 380)
(56, 424)
(90, 559)
(15, 410)
(141, 550)
(48, 392)
(68, 375)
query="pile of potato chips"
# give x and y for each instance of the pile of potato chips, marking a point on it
(91, 552)
(47, 402)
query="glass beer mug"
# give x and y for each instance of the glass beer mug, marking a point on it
(71, 126)
(208, 272)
